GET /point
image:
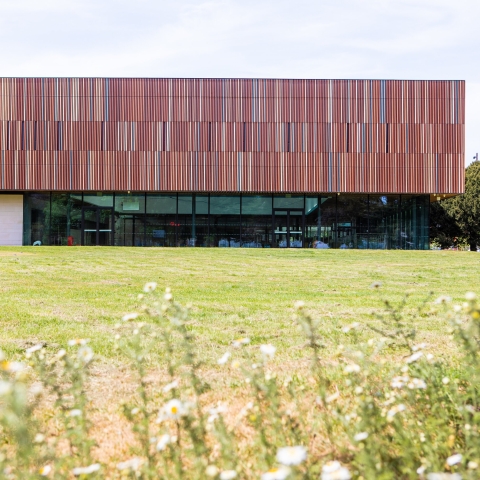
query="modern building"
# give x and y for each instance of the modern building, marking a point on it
(227, 162)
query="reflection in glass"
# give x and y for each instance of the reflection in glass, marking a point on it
(352, 221)
(36, 214)
(288, 201)
(312, 222)
(327, 221)
(383, 221)
(65, 219)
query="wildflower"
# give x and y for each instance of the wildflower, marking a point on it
(443, 299)
(34, 349)
(211, 471)
(443, 476)
(352, 368)
(291, 455)
(215, 412)
(75, 413)
(129, 317)
(5, 388)
(396, 409)
(132, 464)
(134, 411)
(39, 438)
(276, 473)
(414, 357)
(240, 341)
(95, 467)
(421, 470)
(268, 351)
(470, 296)
(454, 459)
(420, 346)
(331, 398)
(445, 380)
(60, 354)
(352, 326)
(399, 382)
(360, 436)
(224, 358)
(173, 410)
(45, 470)
(417, 383)
(170, 386)
(77, 341)
(228, 475)
(163, 442)
(149, 287)
(334, 471)
(376, 285)
(11, 367)
(299, 304)
(85, 354)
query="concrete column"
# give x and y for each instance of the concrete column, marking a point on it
(11, 220)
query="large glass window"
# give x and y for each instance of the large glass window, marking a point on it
(288, 201)
(161, 220)
(129, 220)
(225, 220)
(352, 221)
(200, 229)
(414, 222)
(312, 221)
(36, 215)
(256, 221)
(383, 216)
(65, 219)
(327, 221)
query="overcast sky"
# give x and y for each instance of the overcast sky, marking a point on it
(401, 39)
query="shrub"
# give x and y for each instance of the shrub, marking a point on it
(351, 414)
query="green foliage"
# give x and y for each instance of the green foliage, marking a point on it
(460, 216)
(349, 415)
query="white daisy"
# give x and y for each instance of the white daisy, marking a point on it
(291, 455)
(132, 464)
(268, 351)
(276, 473)
(454, 459)
(95, 467)
(85, 354)
(163, 442)
(129, 317)
(414, 357)
(228, 475)
(174, 410)
(396, 409)
(149, 287)
(334, 471)
(44, 471)
(224, 358)
(360, 436)
(240, 341)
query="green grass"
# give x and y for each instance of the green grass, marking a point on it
(53, 294)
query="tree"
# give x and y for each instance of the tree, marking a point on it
(464, 209)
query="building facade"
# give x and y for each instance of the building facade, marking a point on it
(227, 162)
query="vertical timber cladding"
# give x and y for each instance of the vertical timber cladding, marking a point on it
(230, 135)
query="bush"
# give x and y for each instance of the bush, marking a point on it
(354, 415)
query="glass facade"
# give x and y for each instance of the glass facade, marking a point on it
(228, 221)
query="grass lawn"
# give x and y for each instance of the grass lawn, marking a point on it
(53, 294)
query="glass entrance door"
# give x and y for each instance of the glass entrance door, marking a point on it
(97, 226)
(288, 228)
